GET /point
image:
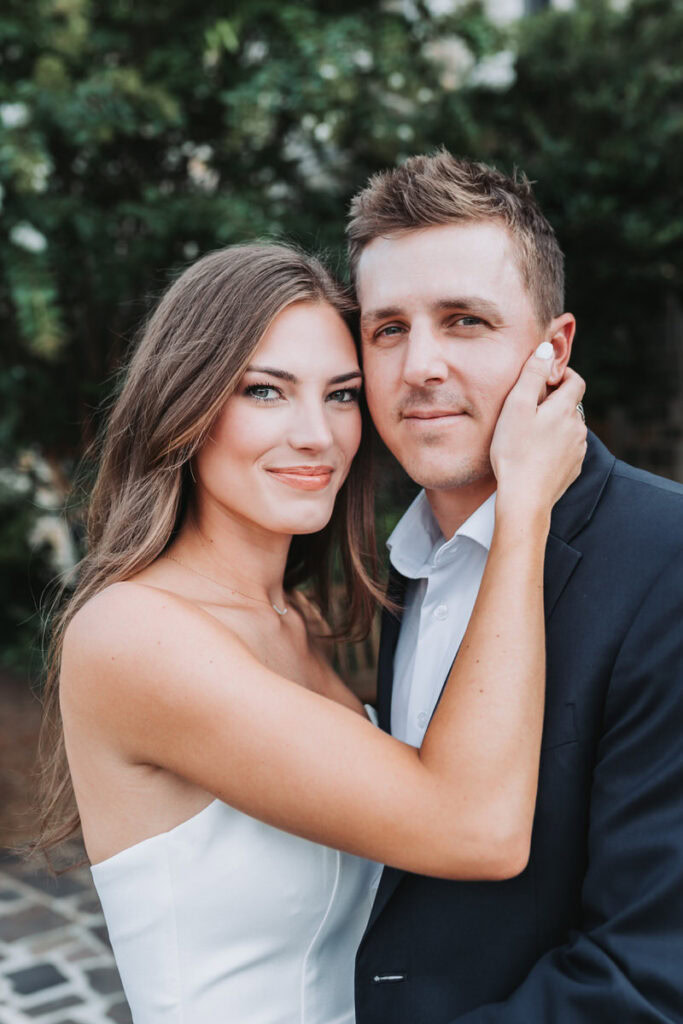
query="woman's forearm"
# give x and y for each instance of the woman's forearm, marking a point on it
(486, 731)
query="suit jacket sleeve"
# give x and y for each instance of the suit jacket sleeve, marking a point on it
(626, 962)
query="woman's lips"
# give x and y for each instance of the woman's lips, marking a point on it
(306, 478)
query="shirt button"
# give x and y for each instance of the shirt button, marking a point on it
(441, 611)
(422, 719)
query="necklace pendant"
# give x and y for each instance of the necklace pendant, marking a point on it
(280, 611)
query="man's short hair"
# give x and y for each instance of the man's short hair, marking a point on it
(427, 191)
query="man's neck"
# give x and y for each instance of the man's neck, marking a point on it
(452, 507)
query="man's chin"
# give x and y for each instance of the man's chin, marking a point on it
(447, 476)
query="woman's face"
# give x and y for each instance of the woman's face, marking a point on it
(283, 444)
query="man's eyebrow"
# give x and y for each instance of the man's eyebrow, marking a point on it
(471, 303)
(290, 377)
(373, 316)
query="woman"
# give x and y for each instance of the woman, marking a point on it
(218, 762)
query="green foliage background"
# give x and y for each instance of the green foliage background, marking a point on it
(134, 136)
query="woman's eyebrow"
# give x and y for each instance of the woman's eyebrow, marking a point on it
(292, 379)
(273, 372)
(346, 376)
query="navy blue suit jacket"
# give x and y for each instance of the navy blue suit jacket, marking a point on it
(592, 930)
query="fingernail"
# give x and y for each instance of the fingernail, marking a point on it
(545, 350)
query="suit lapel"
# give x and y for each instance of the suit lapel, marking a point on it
(570, 515)
(560, 561)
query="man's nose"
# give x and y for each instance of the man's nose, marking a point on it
(310, 427)
(424, 362)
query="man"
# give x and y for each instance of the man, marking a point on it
(459, 277)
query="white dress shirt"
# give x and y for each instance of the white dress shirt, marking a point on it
(444, 576)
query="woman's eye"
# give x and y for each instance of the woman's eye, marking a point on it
(263, 392)
(345, 396)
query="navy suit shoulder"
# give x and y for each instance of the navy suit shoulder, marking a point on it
(651, 504)
(641, 476)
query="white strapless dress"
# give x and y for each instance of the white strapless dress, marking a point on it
(225, 920)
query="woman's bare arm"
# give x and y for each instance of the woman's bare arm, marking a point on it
(178, 690)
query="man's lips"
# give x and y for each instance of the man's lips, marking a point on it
(306, 478)
(431, 414)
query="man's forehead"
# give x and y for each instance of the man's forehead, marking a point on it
(435, 263)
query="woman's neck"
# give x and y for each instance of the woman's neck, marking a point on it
(234, 552)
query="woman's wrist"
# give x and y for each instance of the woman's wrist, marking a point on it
(521, 517)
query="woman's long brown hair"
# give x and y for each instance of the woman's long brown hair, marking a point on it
(189, 360)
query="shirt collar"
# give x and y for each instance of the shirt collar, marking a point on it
(417, 545)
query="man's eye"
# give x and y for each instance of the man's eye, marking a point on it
(263, 392)
(390, 331)
(468, 321)
(345, 396)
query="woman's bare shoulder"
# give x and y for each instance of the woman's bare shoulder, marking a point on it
(114, 608)
(129, 622)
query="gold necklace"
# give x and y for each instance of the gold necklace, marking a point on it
(234, 590)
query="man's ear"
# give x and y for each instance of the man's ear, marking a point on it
(560, 334)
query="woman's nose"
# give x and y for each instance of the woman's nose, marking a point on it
(310, 428)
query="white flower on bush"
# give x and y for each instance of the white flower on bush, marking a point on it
(27, 237)
(255, 51)
(328, 71)
(496, 71)
(278, 190)
(438, 8)
(200, 173)
(406, 8)
(14, 115)
(15, 481)
(453, 57)
(363, 59)
(319, 174)
(203, 152)
(52, 531)
(202, 176)
(323, 131)
(40, 172)
(33, 478)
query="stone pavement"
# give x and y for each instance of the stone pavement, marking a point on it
(56, 966)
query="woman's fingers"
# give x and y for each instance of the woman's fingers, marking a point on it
(569, 391)
(539, 442)
(532, 382)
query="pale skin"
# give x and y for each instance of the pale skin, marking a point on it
(177, 688)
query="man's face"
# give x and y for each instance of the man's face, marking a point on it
(446, 326)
